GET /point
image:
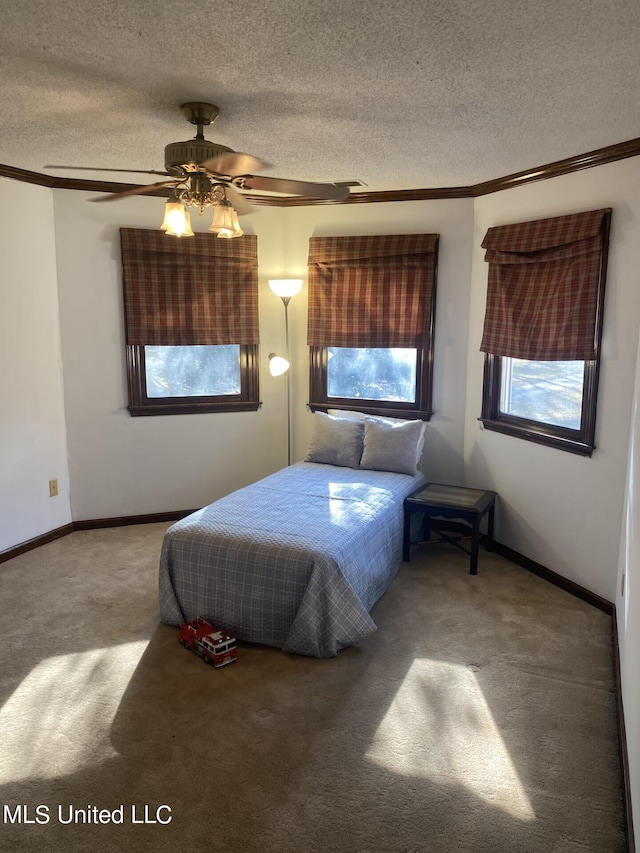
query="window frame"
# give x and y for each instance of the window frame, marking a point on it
(421, 409)
(580, 441)
(140, 404)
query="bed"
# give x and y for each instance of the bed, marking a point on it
(296, 560)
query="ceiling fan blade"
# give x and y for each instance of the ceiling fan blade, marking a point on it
(240, 202)
(290, 187)
(104, 169)
(234, 163)
(147, 188)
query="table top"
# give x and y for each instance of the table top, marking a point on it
(439, 494)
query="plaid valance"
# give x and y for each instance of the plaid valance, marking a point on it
(189, 292)
(375, 291)
(544, 286)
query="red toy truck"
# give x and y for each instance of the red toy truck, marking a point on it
(213, 645)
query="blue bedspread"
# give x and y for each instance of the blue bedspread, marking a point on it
(296, 560)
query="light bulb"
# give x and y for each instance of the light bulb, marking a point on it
(277, 364)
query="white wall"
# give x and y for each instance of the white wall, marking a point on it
(628, 603)
(32, 426)
(119, 465)
(126, 466)
(453, 220)
(563, 510)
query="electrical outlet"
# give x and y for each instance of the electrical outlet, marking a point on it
(53, 488)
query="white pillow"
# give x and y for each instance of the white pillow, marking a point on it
(361, 416)
(390, 447)
(336, 441)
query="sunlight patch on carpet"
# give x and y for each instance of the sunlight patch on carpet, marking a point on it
(58, 720)
(440, 727)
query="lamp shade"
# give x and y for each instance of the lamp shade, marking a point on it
(225, 220)
(285, 288)
(277, 364)
(176, 221)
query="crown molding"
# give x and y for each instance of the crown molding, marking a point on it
(599, 157)
(385, 196)
(25, 176)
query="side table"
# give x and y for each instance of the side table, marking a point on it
(437, 500)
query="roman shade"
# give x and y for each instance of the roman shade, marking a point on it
(374, 291)
(201, 291)
(544, 292)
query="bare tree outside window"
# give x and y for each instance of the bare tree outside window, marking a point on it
(195, 371)
(372, 373)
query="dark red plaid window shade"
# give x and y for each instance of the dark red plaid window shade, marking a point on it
(372, 291)
(192, 291)
(544, 285)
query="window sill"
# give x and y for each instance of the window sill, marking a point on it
(373, 411)
(530, 432)
(191, 408)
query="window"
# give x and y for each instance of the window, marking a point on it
(391, 381)
(386, 374)
(545, 391)
(192, 323)
(187, 380)
(543, 327)
(192, 371)
(371, 318)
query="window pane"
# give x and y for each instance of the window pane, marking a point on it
(545, 391)
(372, 373)
(200, 371)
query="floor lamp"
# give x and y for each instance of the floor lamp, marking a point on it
(285, 288)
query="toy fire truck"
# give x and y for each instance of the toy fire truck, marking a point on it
(212, 644)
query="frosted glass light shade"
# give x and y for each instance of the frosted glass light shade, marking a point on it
(277, 364)
(285, 288)
(225, 220)
(177, 221)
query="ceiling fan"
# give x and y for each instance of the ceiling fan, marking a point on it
(203, 174)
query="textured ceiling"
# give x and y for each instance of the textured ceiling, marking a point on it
(401, 95)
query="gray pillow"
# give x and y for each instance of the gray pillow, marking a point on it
(391, 447)
(336, 441)
(343, 413)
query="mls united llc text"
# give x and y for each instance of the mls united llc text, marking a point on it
(69, 814)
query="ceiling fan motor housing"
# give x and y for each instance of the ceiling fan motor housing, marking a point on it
(185, 156)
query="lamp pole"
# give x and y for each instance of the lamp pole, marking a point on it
(285, 302)
(285, 289)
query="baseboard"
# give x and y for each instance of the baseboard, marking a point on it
(91, 524)
(622, 738)
(125, 520)
(554, 578)
(36, 542)
(152, 518)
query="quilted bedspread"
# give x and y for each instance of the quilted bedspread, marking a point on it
(296, 560)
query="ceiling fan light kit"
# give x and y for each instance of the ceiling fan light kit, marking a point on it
(177, 222)
(202, 173)
(225, 219)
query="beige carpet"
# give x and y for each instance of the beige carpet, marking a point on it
(479, 717)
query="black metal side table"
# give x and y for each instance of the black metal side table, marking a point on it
(436, 500)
